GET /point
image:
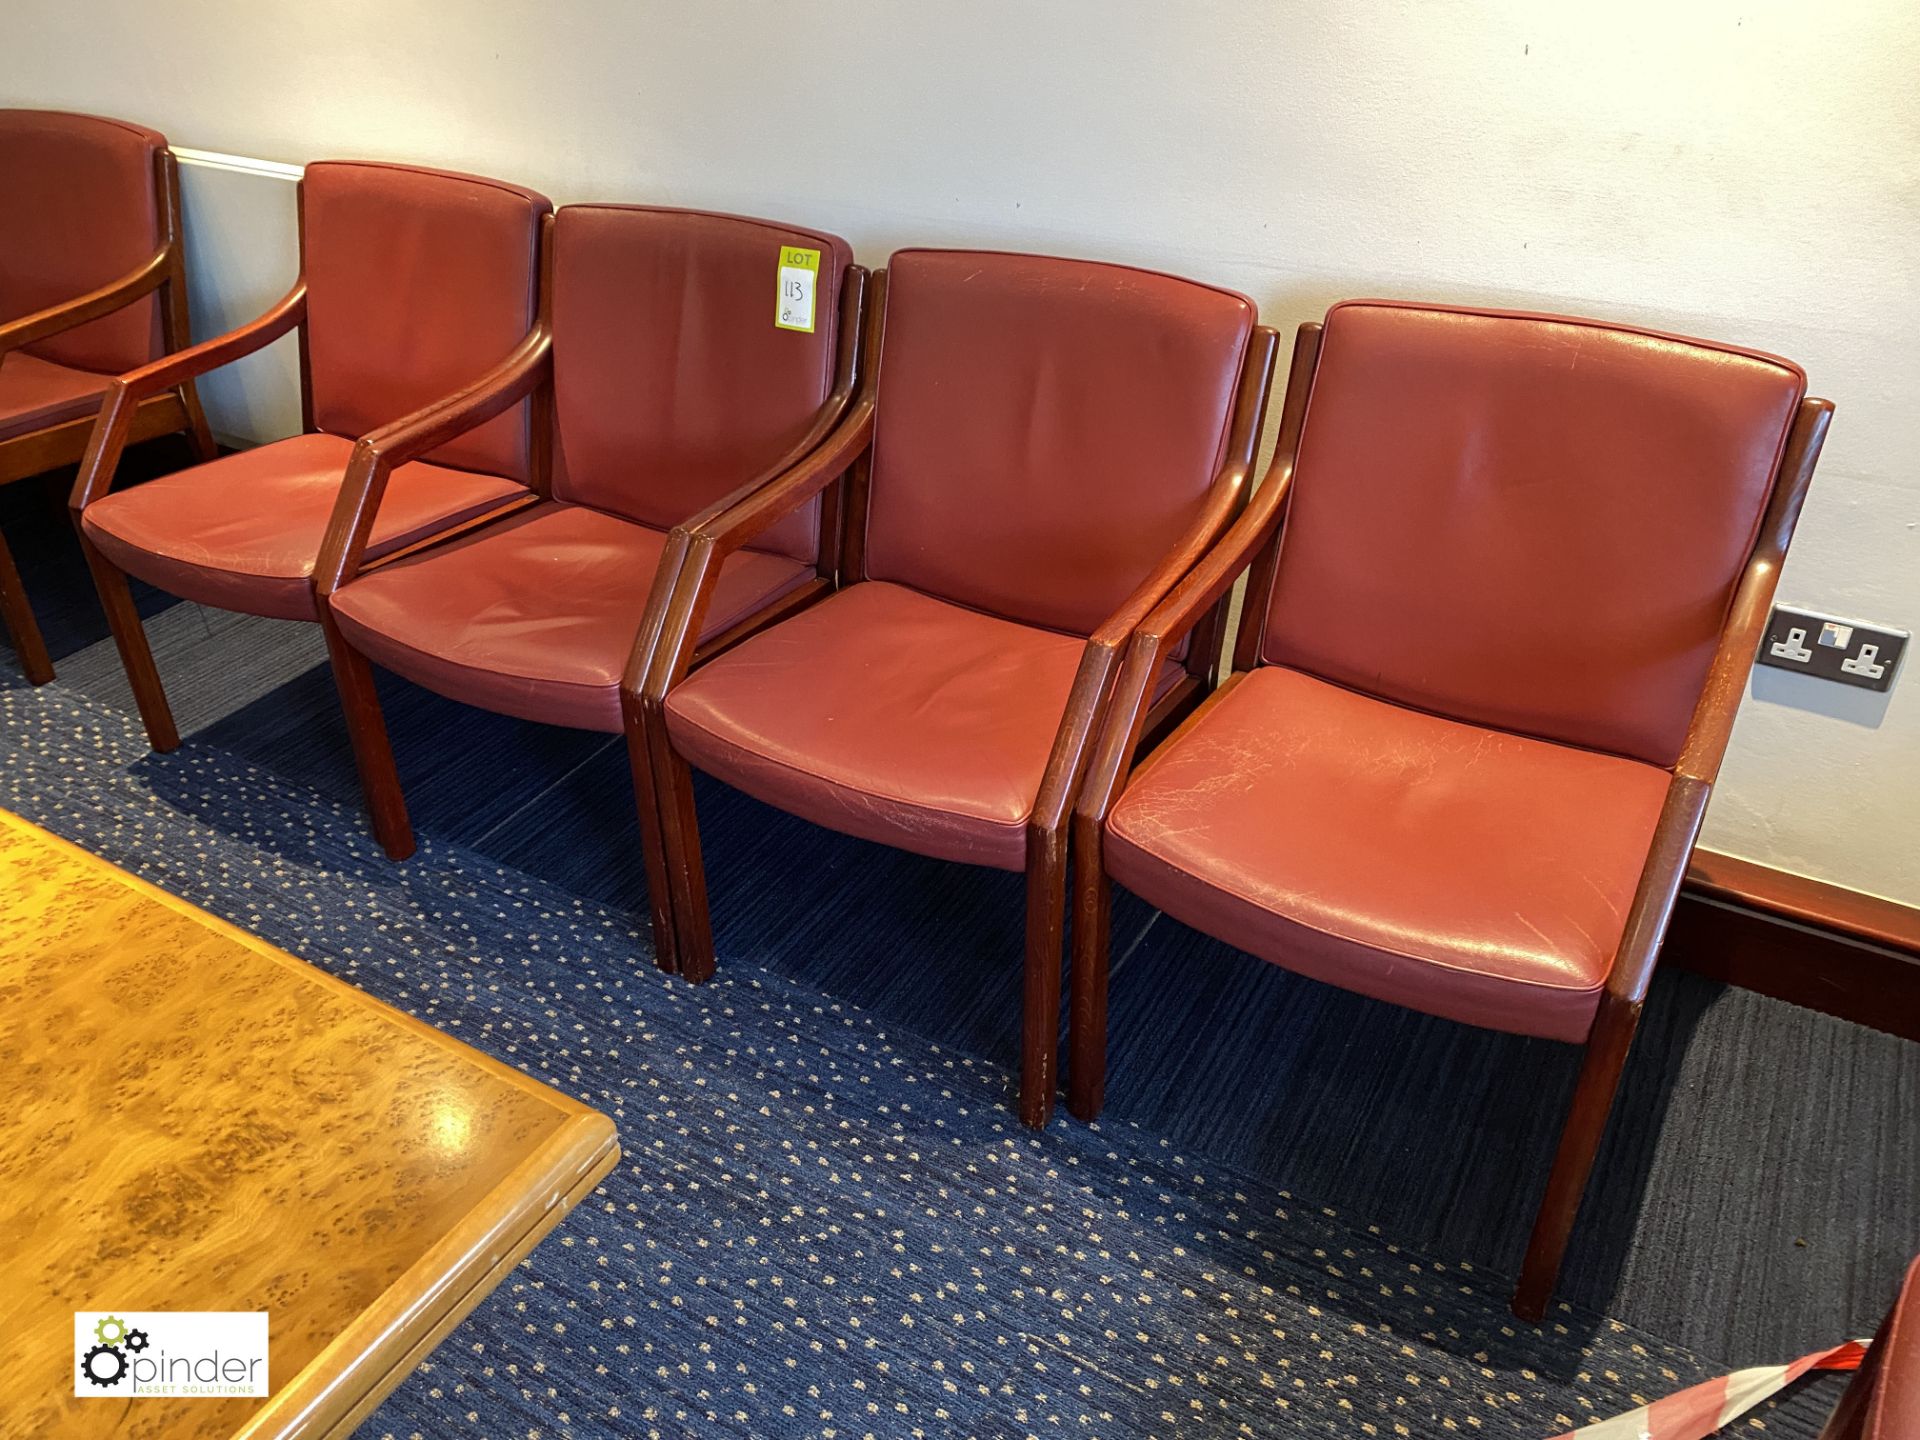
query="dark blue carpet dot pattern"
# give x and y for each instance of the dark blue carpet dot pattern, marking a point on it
(822, 1225)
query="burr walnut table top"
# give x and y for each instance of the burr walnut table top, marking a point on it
(192, 1120)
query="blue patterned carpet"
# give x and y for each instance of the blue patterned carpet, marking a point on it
(827, 1222)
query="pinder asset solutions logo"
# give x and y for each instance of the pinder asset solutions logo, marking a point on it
(144, 1354)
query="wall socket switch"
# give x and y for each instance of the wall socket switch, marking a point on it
(1850, 651)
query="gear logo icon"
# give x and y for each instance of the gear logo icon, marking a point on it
(104, 1365)
(111, 1358)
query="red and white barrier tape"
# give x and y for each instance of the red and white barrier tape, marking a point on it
(1695, 1413)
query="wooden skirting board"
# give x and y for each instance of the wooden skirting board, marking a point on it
(1804, 941)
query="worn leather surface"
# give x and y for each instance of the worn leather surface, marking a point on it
(243, 532)
(887, 714)
(535, 616)
(1895, 1411)
(1046, 428)
(35, 393)
(1527, 522)
(1442, 866)
(418, 283)
(79, 209)
(672, 385)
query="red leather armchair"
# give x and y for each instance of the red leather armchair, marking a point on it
(1508, 575)
(92, 282)
(670, 390)
(1040, 449)
(412, 282)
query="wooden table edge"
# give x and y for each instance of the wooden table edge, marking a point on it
(363, 1364)
(483, 1286)
(436, 1292)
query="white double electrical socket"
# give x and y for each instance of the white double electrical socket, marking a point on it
(1831, 647)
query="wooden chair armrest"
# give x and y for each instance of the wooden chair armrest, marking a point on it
(124, 395)
(437, 422)
(376, 455)
(197, 360)
(774, 498)
(1094, 677)
(1173, 618)
(848, 367)
(1225, 497)
(1674, 834)
(1170, 622)
(144, 278)
(1712, 723)
(840, 431)
(690, 564)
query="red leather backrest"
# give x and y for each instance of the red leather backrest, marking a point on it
(1525, 521)
(418, 283)
(1046, 428)
(672, 384)
(79, 209)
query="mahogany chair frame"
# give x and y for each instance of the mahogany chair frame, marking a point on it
(164, 411)
(529, 372)
(1253, 545)
(708, 540)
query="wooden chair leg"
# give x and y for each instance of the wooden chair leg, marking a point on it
(1087, 997)
(199, 434)
(136, 657)
(653, 845)
(1606, 1057)
(686, 871)
(372, 750)
(22, 629)
(1040, 1007)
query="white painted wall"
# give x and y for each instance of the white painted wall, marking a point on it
(242, 222)
(1742, 169)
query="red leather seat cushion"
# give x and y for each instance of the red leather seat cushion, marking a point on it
(243, 532)
(1465, 872)
(1529, 522)
(418, 283)
(36, 393)
(79, 208)
(535, 616)
(890, 715)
